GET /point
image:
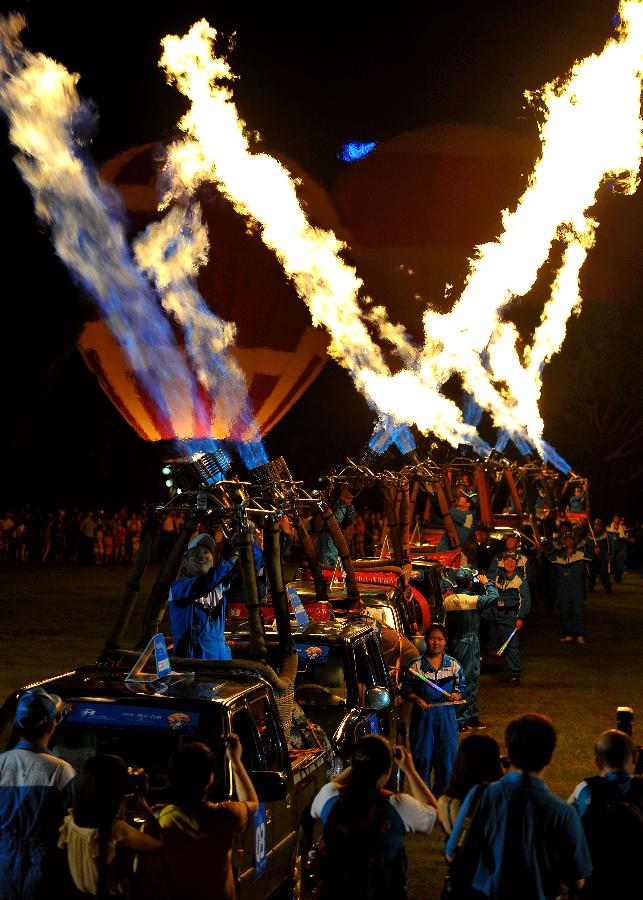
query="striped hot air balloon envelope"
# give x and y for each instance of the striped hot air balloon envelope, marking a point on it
(279, 350)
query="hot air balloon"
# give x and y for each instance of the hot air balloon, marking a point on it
(278, 349)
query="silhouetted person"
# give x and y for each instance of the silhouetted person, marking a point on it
(35, 790)
(526, 841)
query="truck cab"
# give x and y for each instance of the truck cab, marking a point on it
(342, 682)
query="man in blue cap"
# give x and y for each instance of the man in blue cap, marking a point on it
(197, 601)
(36, 789)
(509, 613)
(463, 604)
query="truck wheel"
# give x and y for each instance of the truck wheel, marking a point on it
(294, 887)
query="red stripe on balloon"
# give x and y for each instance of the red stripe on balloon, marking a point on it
(202, 405)
(160, 417)
(93, 361)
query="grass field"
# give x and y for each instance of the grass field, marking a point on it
(54, 619)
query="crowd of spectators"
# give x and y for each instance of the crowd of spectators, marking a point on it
(506, 833)
(70, 536)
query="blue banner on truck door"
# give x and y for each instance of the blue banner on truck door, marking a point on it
(136, 716)
(259, 825)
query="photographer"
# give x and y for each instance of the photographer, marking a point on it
(611, 809)
(100, 843)
(364, 826)
(198, 834)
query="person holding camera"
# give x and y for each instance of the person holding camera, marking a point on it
(100, 843)
(362, 851)
(198, 598)
(197, 833)
(611, 809)
(35, 790)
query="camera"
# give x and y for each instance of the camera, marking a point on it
(136, 781)
(624, 721)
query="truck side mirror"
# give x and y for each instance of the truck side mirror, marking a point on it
(270, 785)
(377, 698)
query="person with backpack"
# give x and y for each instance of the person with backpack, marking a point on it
(100, 843)
(611, 809)
(521, 840)
(362, 851)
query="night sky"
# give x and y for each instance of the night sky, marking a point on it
(310, 79)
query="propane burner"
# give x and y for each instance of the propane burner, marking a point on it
(200, 471)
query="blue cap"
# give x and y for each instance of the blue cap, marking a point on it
(205, 540)
(36, 708)
(464, 575)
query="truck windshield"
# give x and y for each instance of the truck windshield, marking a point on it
(321, 678)
(144, 736)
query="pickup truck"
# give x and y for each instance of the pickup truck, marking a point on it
(144, 722)
(385, 602)
(418, 612)
(342, 682)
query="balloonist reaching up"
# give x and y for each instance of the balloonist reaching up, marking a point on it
(197, 601)
(344, 513)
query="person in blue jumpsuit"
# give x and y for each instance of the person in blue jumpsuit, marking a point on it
(509, 613)
(197, 602)
(463, 606)
(577, 500)
(36, 788)
(617, 537)
(569, 565)
(523, 563)
(344, 512)
(598, 551)
(464, 520)
(434, 730)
